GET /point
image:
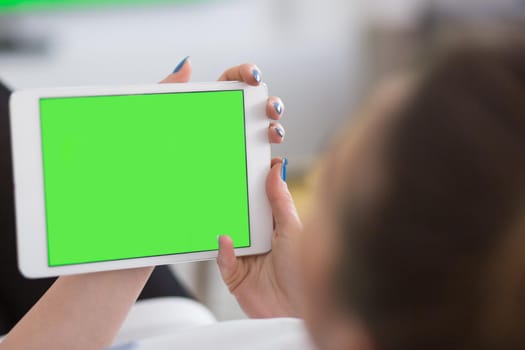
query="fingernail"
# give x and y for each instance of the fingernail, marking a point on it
(283, 169)
(278, 107)
(180, 65)
(279, 131)
(257, 75)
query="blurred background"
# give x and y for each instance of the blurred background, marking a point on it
(321, 57)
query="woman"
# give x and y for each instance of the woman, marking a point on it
(415, 242)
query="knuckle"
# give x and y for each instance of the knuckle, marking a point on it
(234, 281)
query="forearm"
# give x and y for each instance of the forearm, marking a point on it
(79, 312)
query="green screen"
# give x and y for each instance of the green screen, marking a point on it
(143, 175)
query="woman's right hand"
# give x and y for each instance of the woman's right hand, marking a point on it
(267, 285)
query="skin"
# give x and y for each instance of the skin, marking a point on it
(85, 312)
(268, 285)
(70, 314)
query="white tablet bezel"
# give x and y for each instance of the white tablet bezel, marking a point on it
(29, 181)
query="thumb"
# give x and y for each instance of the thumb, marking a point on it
(281, 201)
(226, 259)
(181, 73)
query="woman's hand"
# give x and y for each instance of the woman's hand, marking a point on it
(267, 285)
(264, 285)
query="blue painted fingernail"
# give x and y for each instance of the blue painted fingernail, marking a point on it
(257, 75)
(278, 107)
(279, 131)
(180, 65)
(283, 169)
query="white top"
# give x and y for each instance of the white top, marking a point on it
(203, 332)
(274, 334)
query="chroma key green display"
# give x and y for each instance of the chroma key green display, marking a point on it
(143, 175)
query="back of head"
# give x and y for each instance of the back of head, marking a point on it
(439, 263)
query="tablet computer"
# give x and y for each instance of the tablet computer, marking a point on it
(121, 177)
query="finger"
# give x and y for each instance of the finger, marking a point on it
(274, 108)
(181, 73)
(281, 201)
(247, 73)
(276, 160)
(226, 259)
(276, 133)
